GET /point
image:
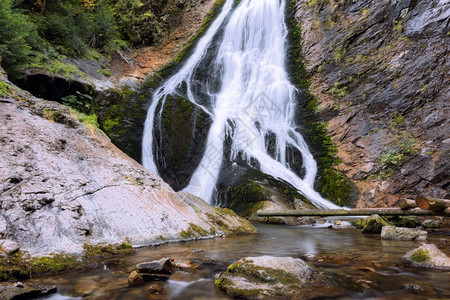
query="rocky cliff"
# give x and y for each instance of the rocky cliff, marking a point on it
(379, 71)
(63, 184)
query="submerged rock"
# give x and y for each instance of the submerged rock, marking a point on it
(427, 256)
(403, 233)
(135, 279)
(267, 276)
(161, 266)
(64, 184)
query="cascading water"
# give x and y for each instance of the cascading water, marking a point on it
(256, 100)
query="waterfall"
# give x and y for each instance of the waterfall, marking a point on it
(256, 100)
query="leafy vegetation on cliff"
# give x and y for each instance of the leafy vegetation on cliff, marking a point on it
(38, 32)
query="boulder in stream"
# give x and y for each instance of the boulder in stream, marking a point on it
(427, 256)
(373, 224)
(403, 233)
(267, 276)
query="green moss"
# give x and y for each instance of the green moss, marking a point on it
(233, 267)
(193, 231)
(50, 114)
(184, 235)
(420, 255)
(53, 265)
(5, 89)
(316, 135)
(106, 250)
(219, 283)
(335, 187)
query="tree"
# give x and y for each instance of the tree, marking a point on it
(15, 32)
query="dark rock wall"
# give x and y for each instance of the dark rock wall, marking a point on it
(380, 73)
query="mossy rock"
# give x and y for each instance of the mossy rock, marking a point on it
(265, 276)
(404, 221)
(374, 224)
(247, 194)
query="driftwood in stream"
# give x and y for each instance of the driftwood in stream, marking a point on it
(407, 203)
(432, 203)
(352, 212)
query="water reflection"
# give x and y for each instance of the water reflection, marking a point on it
(366, 259)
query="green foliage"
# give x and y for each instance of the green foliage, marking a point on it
(17, 35)
(83, 103)
(407, 147)
(88, 120)
(75, 29)
(420, 255)
(337, 91)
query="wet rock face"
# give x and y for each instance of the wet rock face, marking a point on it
(63, 185)
(378, 70)
(266, 276)
(427, 256)
(180, 137)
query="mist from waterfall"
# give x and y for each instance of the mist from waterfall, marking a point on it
(256, 100)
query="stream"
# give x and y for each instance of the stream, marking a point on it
(342, 250)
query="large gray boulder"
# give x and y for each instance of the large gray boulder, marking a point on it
(267, 276)
(427, 256)
(63, 184)
(403, 233)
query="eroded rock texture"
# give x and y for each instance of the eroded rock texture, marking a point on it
(63, 184)
(379, 70)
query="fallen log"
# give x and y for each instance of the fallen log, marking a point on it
(432, 203)
(407, 203)
(351, 212)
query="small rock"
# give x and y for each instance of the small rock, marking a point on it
(402, 233)
(9, 246)
(154, 289)
(183, 264)
(374, 224)
(162, 266)
(135, 279)
(427, 256)
(431, 223)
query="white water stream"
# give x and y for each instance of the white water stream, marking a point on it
(256, 99)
